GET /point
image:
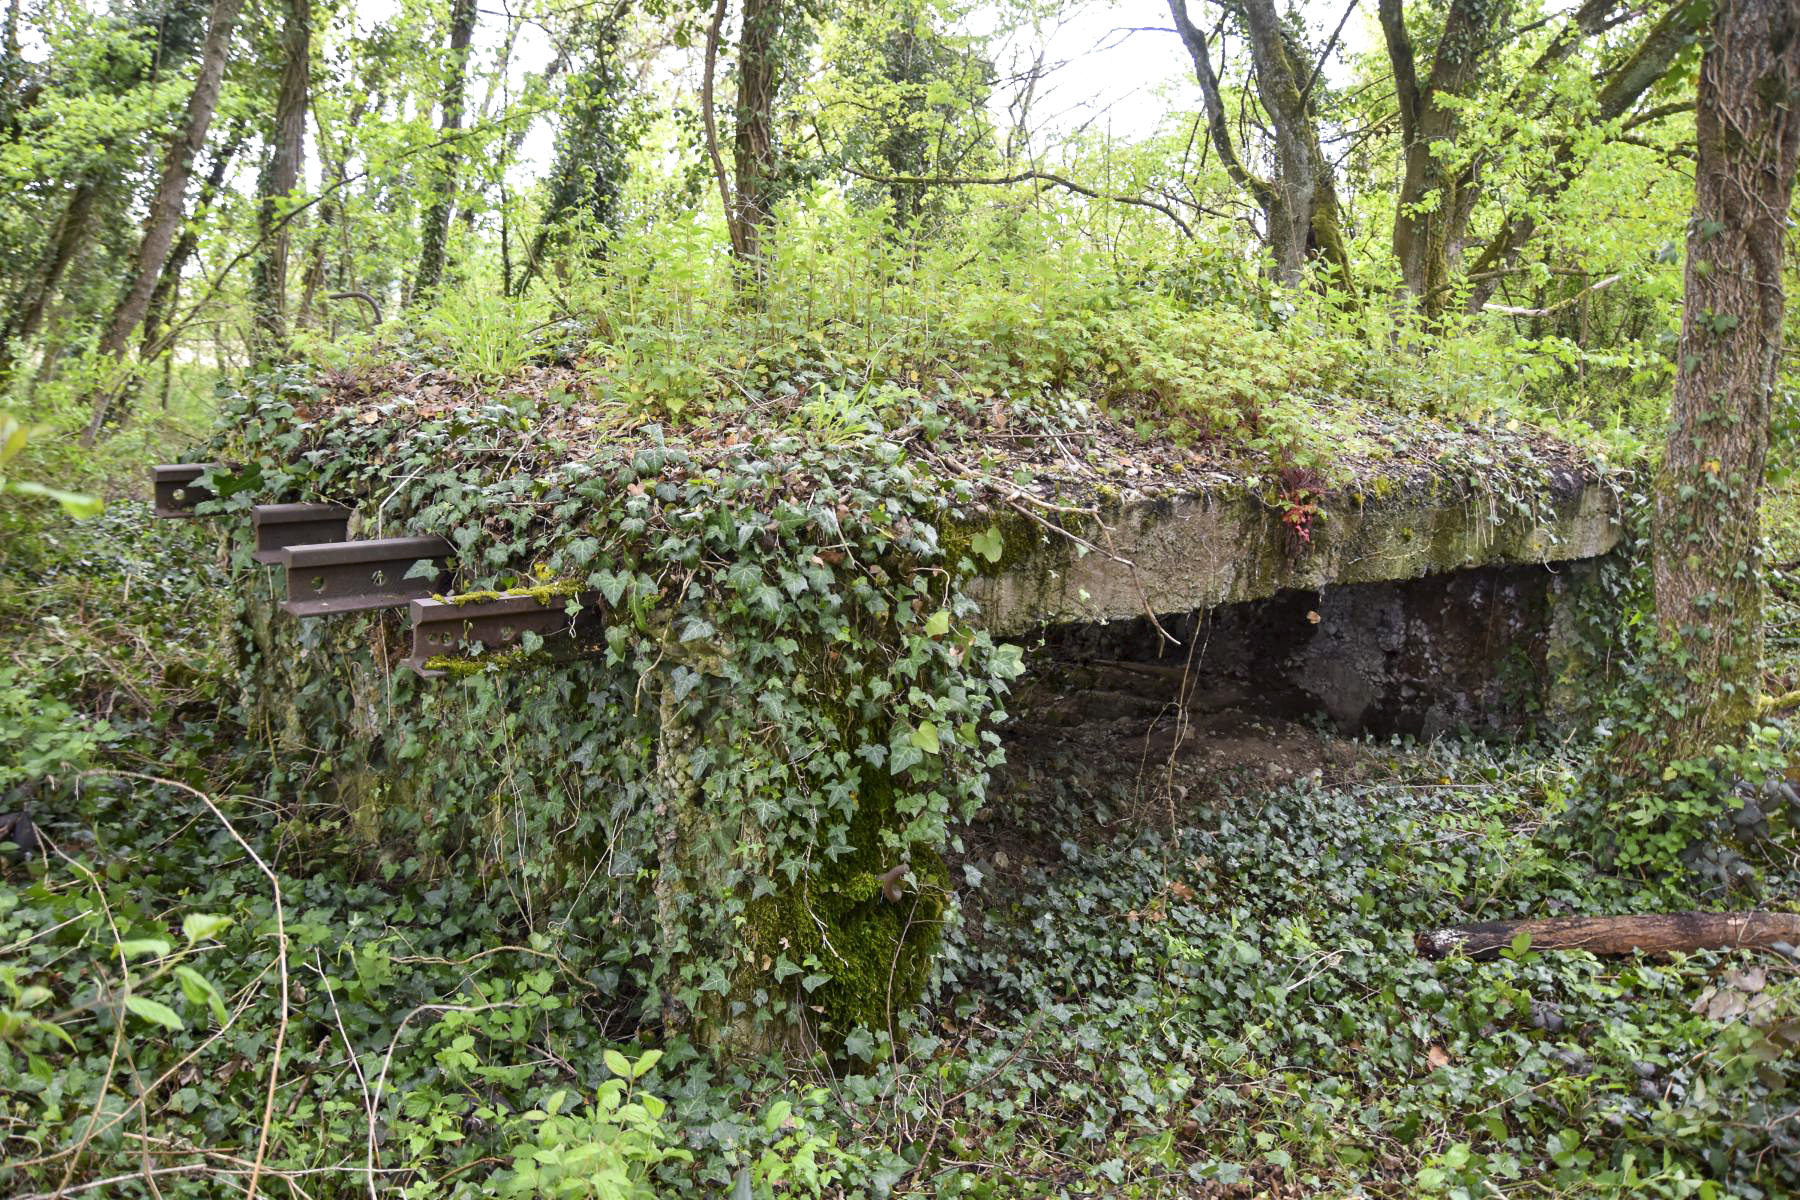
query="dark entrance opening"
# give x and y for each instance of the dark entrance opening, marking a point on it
(1467, 650)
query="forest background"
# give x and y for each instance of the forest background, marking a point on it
(1266, 237)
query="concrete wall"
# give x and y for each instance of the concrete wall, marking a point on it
(1227, 546)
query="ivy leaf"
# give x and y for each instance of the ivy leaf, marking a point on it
(925, 737)
(813, 982)
(860, 1044)
(154, 1011)
(610, 583)
(988, 543)
(938, 623)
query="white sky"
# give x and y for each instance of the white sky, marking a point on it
(1127, 80)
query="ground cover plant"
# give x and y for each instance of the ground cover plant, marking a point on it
(1228, 1004)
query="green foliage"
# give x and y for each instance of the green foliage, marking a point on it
(1713, 820)
(13, 437)
(483, 336)
(605, 1150)
(1090, 1028)
(1238, 1001)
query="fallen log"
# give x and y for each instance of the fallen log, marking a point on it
(1661, 933)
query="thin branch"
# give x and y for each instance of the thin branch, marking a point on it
(374, 305)
(1021, 177)
(1598, 285)
(1326, 53)
(712, 129)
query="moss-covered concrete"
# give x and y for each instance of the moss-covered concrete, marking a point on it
(872, 931)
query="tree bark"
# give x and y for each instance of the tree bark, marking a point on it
(710, 123)
(1436, 196)
(26, 314)
(435, 242)
(1299, 204)
(154, 338)
(1706, 546)
(280, 175)
(753, 137)
(165, 207)
(1652, 934)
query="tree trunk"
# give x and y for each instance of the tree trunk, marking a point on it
(165, 207)
(280, 175)
(436, 234)
(26, 317)
(1664, 933)
(1299, 204)
(1436, 198)
(154, 340)
(1706, 554)
(753, 140)
(1306, 222)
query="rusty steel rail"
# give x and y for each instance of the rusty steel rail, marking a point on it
(339, 577)
(447, 628)
(174, 490)
(275, 527)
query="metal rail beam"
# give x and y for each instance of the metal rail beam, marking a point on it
(339, 577)
(452, 628)
(174, 490)
(278, 526)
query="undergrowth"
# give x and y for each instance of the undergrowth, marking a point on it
(1230, 1007)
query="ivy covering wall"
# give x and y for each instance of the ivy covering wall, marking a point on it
(789, 704)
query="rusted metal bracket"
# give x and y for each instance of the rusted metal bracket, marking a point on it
(174, 488)
(447, 628)
(340, 577)
(278, 526)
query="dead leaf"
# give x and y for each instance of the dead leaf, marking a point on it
(1749, 979)
(1437, 1057)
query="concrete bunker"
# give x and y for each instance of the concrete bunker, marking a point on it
(1484, 650)
(649, 618)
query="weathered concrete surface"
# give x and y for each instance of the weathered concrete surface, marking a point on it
(1202, 550)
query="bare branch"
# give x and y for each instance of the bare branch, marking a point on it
(1021, 177)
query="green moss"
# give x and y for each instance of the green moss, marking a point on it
(877, 952)
(457, 668)
(542, 593)
(1020, 538)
